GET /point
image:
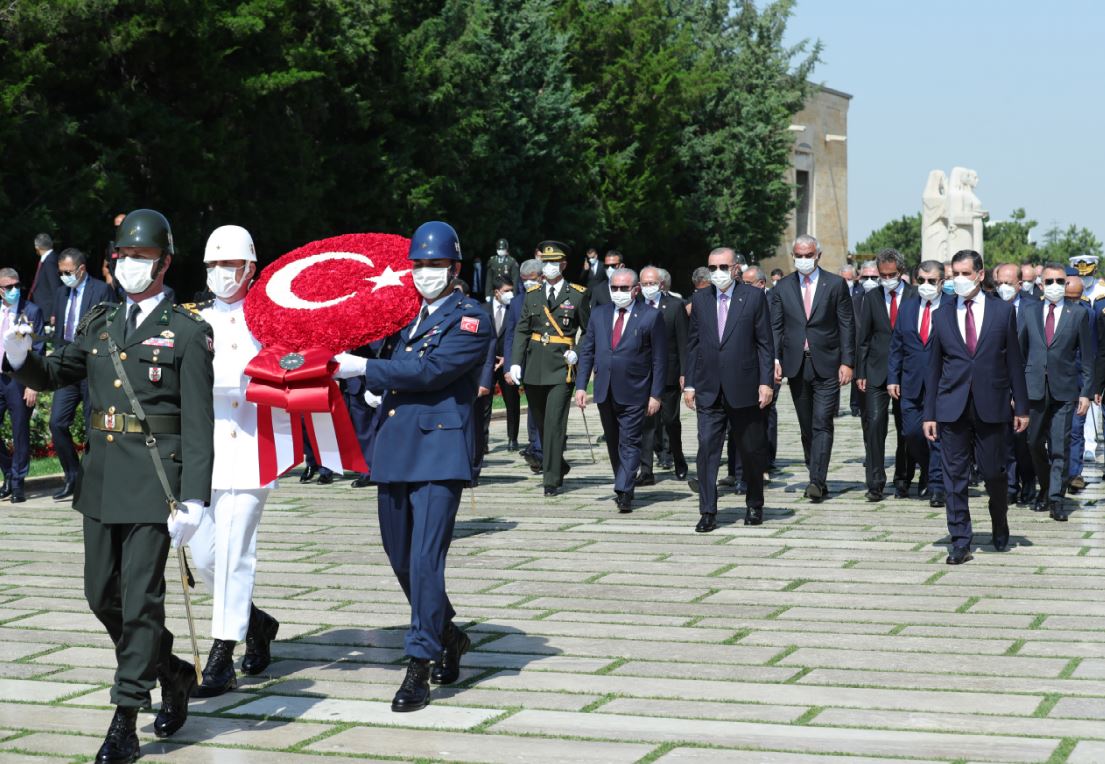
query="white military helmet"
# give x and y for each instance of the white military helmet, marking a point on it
(230, 242)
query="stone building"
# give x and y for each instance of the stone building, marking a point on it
(819, 173)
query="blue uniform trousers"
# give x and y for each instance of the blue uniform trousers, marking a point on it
(16, 464)
(416, 524)
(922, 450)
(623, 425)
(1077, 445)
(986, 440)
(62, 413)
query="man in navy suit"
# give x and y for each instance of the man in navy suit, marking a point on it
(1020, 473)
(46, 282)
(530, 274)
(975, 369)
(729, 379)
(626, 347)
(78, 293)
(15, 398)
(908, 365)
(494, 370)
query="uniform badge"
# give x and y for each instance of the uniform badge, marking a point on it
(210, 344)
(167, 334)
(109, 421)
(155, 373)
(567, 306)
(469, 324)
(159, 342)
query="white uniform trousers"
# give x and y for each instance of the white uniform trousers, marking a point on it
(224, 551)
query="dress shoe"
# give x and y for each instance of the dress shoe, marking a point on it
(728, 481)
(681, 471)
(178, 683)
(512, 445)
(706, 523)
(551, 490)
(414, 693)
(624, 502)
(601, 438)
(1054, 509)
(1000, 541)
(873, 495)
(754, 516)
(325, 478)
(901, 490)
(565, 468)
(1027, 496)
(815, 493)
(937, 500)
(259, 637)
(1076, 484)
(474, 482)
(308, 474)
(120, 746)
(645, 479)
(532, 460)
(447, 668)
(959, 555)
(66, 490)
(1040, 505)
(6, 489)
(665, 464)
(364, 481)
(218, 674)
(18, 497)
(693, 485)
(535, 469)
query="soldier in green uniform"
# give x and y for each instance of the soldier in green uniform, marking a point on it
(502, 264)
(545, 341)
(166, 354)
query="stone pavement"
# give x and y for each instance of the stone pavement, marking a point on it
(834, 629)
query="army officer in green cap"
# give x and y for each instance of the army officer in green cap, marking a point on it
(544, 342)
(165, 353)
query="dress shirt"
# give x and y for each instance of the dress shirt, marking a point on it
(814, 278)
(1058, 311)
(898, 291)
(628, 314)
(76, 293)
(145, 307)
(429, 307)
(921, 313)
(554, 289)
(978, 308)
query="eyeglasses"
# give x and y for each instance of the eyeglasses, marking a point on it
(922, 280)
(8, 287)
(620, 288)
(68, 273)
(712, 268)
(1049, 282)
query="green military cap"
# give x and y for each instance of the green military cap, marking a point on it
(146, 228)
(552, 251)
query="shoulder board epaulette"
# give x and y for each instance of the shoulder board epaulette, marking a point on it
(533, 288)
(93, 313)
(191, 312)
(468, 305)
(577, 287)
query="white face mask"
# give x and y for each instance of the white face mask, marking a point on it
(223, 282)
(721, 279)
(889, 284)
(650, 291)
(610, 271)
(530, 284)
(506, 297)
(964, 286)
(70, 280)
(869, 283)
(1026, 286)
(134, 274)
(501, 252)
(551, 271)
(431, 282)
(805, 265)
(621, 299)
(1007, 292)
(928, 292)
(1055, 292)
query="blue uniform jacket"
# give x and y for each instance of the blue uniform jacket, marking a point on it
(909, 358)
(427, 430)
(635, 370)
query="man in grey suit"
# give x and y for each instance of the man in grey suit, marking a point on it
(1051, 332)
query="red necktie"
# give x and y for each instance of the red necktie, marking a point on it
(971, 338)
(618, 326)
(926, 317)
(893, 309)
(1049, 325)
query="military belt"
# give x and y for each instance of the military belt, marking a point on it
(546, 338)
(161, 424)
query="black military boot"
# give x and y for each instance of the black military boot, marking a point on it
(447, 668)
(414, 693)
(218, 674)
(178, 682)
(262, 631)
(121, 744)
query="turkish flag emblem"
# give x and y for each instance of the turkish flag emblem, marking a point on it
(469, 324)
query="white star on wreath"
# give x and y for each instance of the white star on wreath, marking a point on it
(387, 278)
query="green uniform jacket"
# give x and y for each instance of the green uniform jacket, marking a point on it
(543, 363)
(499, 266)
(168, 362)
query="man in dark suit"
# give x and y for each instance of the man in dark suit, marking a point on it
(78, 293)
(46, 281)
(907, 367)
(868, 281)
(15, 398)
(814, 327)
(1020, 473)
(729, 378)
(876, 320)
(600, 293)
(502, 297)
(626, 347)
(975, 369)
(1054, 333)
(675, 320)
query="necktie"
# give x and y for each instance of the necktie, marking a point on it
(807, 297)
(499, 319)
(422, 316)
(722, 314)
(893, 309)
(971, 337)
(926, 319)
(619, 325)
(71, 316)
(132, 321)
(1049, 325)
(552, 295)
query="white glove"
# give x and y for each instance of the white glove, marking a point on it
(570, 357)
(183, 525)
(350, 366)
(372, 399)
(17, 344)
(516, 374)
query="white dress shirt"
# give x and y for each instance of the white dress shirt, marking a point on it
(898, 291)
(1058, 312)
(978, 310)
(430, 308)
(554, 289)
(921, 313)
(145, 307)
(617, 312)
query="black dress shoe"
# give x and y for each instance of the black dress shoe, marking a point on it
(728, 481)
(512, 445)
(18, 497)
(447, 668)
(121, 744)
(66, 490)
(364, 481)
(815, 493)
(1027, 496)
(308, 474)
(6, 489)
(414, 693)
(693, 485)
(937, 500)
(754, 516)
(474, 482)
(259, 637)
(706, 523)
(1076, 484)
(873, 495)
(959, 555)
(1054, 510)
(551, 490)
(1040, 505)
(1000, 541)
(624, 502)
(533, 462)
(680, 471)
(218, 674)
(901, 490)
(325, 478)
(645, 479)
(565, 468)
(178, 683)
(665, 464)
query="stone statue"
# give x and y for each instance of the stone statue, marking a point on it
(951, 217)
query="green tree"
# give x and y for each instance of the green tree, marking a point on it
(1059, 245)
(1009, 241)
(903, 235)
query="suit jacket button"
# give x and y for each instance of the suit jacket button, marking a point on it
(234, 404)
(233, 433)
(391, 413)
(122, 356)
(439, 426)
(110, 438)
(94, 351)
(118, 383)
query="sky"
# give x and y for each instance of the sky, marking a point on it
(1012, 89)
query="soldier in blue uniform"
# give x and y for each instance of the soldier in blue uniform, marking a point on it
(424, 451)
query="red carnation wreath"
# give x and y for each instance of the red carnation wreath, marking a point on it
(322, 298)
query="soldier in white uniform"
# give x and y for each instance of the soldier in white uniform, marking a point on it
(224, 547)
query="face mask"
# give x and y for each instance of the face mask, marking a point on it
(1006, 292)
(222, 281)
(69, 279)
(506, 297)
(964, 286)
(948, 287)
(1055, 292)
(530, 284)
(869, 283)
(721, 279)
(11, 296)
(805, 265)
(550, 271)
(650, 291)
(501, 252)
(1026, 286)
(889, 284)
(928, 292)
(431, 282)
(621, 299)
(134, 274)
(610, 271)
